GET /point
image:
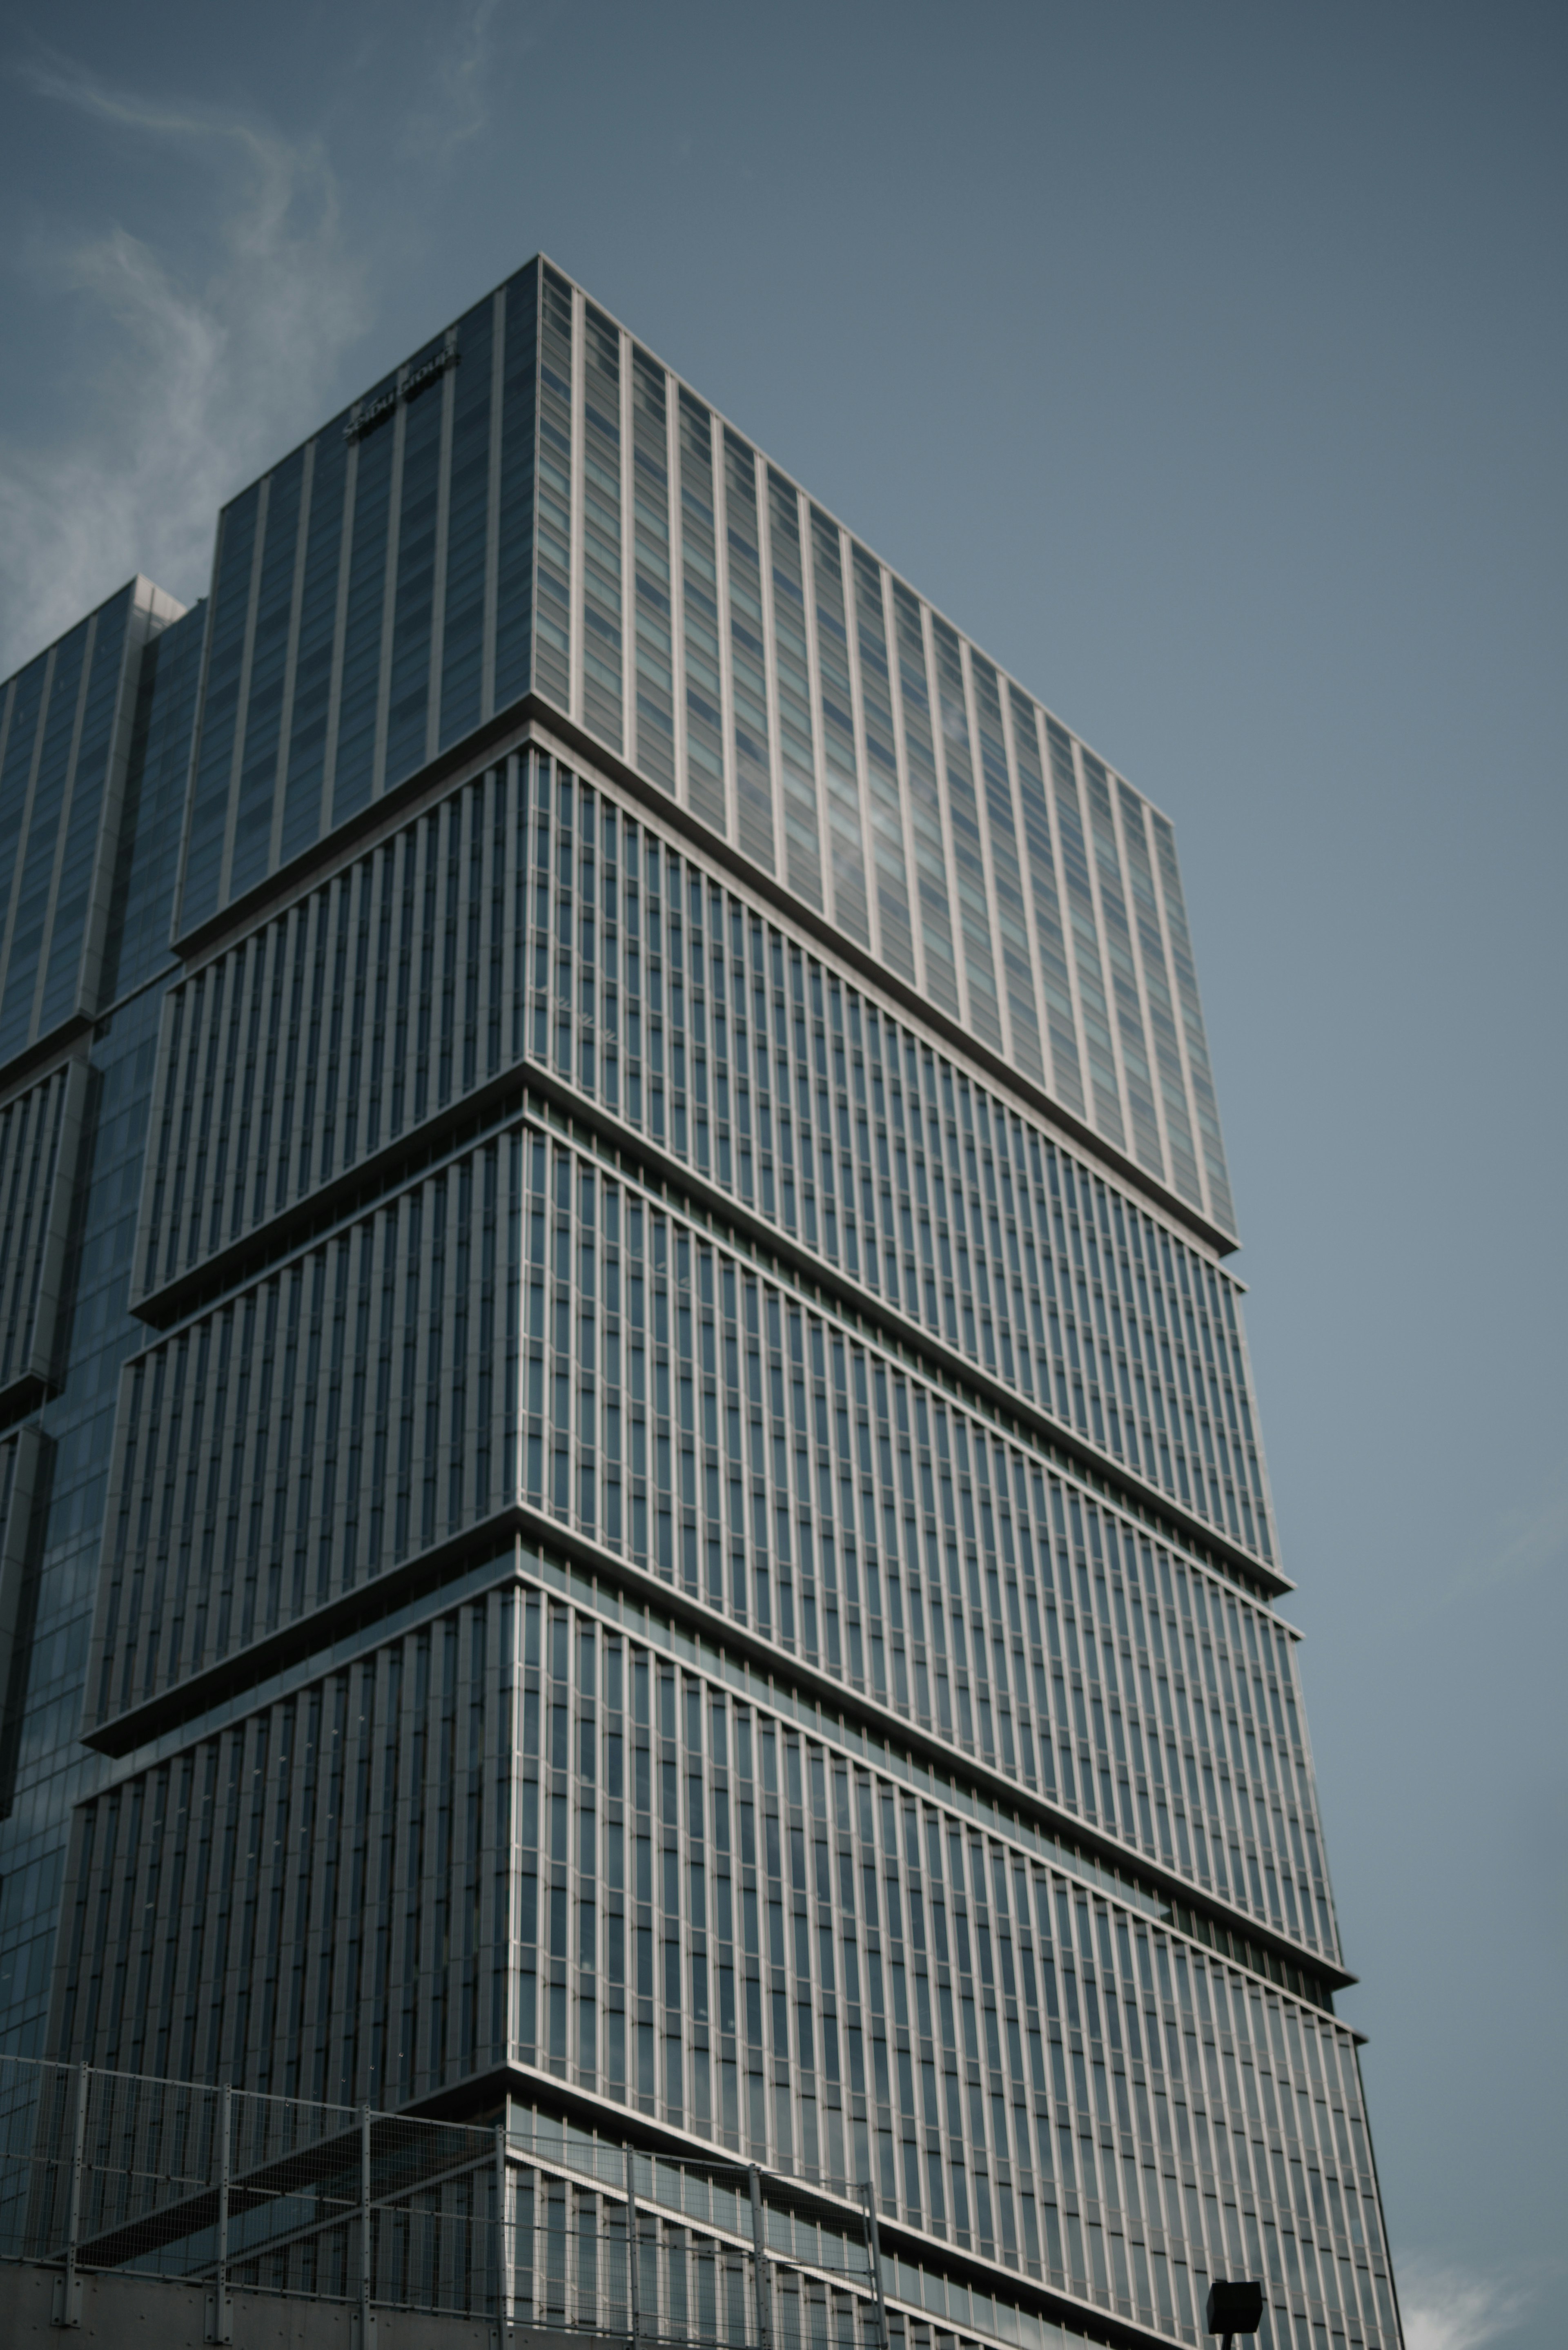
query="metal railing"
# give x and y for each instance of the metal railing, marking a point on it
(546, 2227)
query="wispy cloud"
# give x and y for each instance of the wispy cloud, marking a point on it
(1527, 1540)
(464, 74)
(1446, 2307)
(474, 49)
(204, 371)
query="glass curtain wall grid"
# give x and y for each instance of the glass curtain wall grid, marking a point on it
(66, 723)
(38, 1133)
(629, 1474)
(532, 2221)
(701, 1422)
(526, 1834)
(534, 505)
(374, 596)
(104, 836)
(528, 920)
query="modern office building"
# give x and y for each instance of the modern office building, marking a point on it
(628, 1476)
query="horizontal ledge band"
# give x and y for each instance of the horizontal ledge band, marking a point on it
(518, 1523)
(490, 1106)
(533, 718)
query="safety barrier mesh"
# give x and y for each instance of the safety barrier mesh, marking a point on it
(547, 2230)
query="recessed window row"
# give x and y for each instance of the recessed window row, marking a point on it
(529, 918)
(601, 1592)
(522, 1326)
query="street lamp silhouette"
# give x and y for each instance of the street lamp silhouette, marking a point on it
(1234, 2308)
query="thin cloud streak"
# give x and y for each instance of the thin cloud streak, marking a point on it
(1529, 1540)
(477, 48)
(465, 76)
(1445, 2307)
(202, 383)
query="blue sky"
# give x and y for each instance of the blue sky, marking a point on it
(1207, 364)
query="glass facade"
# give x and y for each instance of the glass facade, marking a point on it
(841, 734)
(628, 1479)
(528, 922)
(66, 722)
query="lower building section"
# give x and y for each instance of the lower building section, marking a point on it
(540, 1833)
(218, 2215)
